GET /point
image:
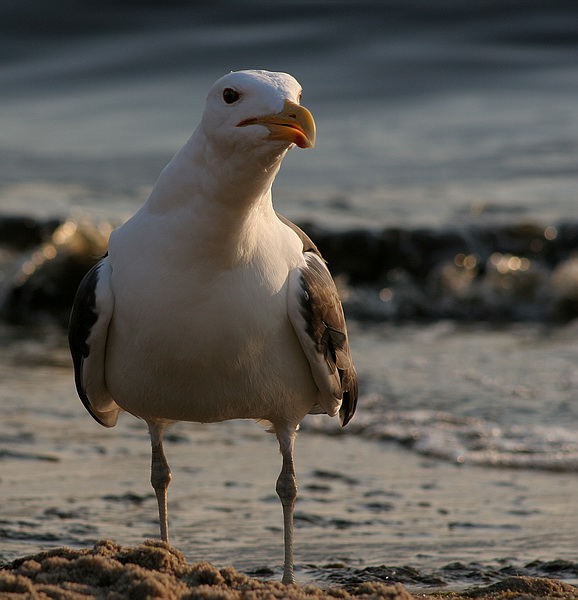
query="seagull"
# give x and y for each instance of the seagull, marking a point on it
(209, 305)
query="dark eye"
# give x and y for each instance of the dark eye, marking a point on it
(299, 97)
(230, 96)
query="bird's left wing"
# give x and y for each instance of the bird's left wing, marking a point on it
(316, 314)
(87, 335)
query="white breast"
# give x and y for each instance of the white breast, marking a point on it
(200, 342)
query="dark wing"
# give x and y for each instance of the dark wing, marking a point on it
(316, 314)
(87, 335)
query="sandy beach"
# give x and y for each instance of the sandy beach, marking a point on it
(155, 570)
(370, 513)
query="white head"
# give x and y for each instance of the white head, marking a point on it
(257, 112)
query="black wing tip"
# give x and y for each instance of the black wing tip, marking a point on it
(349, 402)
(347, 410)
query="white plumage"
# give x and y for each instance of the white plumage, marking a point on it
(209, 305)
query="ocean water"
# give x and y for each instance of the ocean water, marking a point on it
(446, 114)
(426, 112)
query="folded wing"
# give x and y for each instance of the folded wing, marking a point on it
(87, 335)
(316, 314)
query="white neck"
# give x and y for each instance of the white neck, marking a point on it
(218, 210)
(201, 170)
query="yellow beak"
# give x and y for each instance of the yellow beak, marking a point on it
(293, 124)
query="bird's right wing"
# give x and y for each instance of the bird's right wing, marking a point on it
(87, 336)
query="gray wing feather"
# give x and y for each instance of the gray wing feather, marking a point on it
(316, 313)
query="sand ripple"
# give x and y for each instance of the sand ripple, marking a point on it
(156, 570)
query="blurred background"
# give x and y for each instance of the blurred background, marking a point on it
(453, 122)
(426, 111)
(442, 191)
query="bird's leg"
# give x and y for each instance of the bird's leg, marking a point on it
(160, 475)
(287, 492)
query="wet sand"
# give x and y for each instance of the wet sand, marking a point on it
(369, 512)
(155, 570)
